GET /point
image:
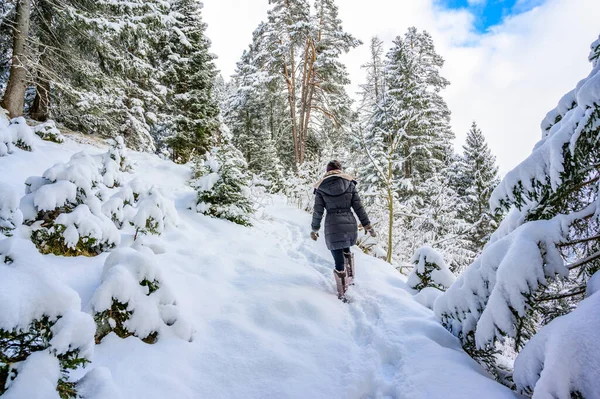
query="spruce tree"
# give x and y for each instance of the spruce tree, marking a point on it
(477, 179)
(189, 75)
(406, 140)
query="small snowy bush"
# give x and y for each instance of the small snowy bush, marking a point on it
(133, 299)
(429, 270)
(222, 184)
(154, 212)
(40, 318)
(15, 134)
(49, 132)
(10, 215)
(114, 162)
(64, 211)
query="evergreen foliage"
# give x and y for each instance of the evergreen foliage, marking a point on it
(477, 179)
(536, 266)
(221, 179)
(18, 344)
(189, 76)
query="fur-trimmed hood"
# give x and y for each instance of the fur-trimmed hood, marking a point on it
(334, 173)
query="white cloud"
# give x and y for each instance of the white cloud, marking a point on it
(506, 79)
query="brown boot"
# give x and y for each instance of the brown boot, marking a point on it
(341, 282)
(349, 263)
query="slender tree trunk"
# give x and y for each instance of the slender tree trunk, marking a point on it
(41, 104)
(14, 97)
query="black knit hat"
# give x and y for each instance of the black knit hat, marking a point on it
(334, 165)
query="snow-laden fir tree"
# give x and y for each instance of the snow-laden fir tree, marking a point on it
(432, 217)
(252, 113)
(222, 180)
(405, 137)
(134, 300)
(429, 270)
(41, 318)
(538, 263)
(189, 77)
(477, 177)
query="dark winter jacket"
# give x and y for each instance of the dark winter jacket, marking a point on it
(337, 195)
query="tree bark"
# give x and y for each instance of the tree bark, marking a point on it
(41, 104)
(14, 97)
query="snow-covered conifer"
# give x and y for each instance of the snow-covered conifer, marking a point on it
(49, 132)
(15, 134)
(64, 211)
(189, 76)
(10, 214)
(477, 177)
(221, 180)
(154, 212)
(134, 300)
(39, 317)
(549, 233)
(429, 270)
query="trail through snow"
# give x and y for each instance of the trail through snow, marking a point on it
(268, 323)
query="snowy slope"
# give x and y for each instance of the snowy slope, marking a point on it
(262, 302)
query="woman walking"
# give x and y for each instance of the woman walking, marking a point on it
(336, 193)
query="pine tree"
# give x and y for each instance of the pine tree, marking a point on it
(189, 75)
(250, 115)
(477, 179)
(221, 179)
(537, 265)
(406, 138)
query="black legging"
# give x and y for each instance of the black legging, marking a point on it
(338, 257)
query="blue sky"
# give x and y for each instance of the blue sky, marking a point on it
(491, 12)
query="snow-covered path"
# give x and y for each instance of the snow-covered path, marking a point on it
(268, 324)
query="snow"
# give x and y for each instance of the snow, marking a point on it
(440, 276)
(51, 196)
(10, 214)
(207, 182)
(564, 356)
(82, 224)
(260, 303)
(36, 379)
(497, 283)
(98, 384)
(28, 291)
(427, 296)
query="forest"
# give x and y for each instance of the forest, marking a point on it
(506, 264)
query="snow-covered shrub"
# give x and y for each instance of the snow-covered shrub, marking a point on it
(536, 265)
(154, 212)
(64, 211)
(562, 360)
(49, 132)
(134, 300)
(114, 162)
(10, 215)
(299, 188)
(15, 134)
(429, 270)
(42, 330)
(222, 184)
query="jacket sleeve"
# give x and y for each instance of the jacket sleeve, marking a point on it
(359, 209)
(318, 210)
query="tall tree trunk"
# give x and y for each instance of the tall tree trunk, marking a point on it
(14, 97)
(41, 104)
